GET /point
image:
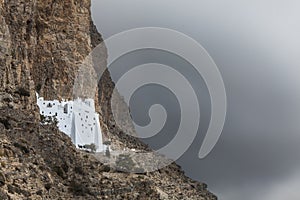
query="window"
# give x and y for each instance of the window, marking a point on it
(66, 109)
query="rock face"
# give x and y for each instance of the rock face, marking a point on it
(42, 44)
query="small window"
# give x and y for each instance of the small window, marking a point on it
(66, 109)
(65, 126)
(42, 112)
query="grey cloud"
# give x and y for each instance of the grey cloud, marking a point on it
(256, 46)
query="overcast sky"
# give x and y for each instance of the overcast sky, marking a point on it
(256, 46)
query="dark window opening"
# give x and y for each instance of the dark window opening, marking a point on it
(66, 109)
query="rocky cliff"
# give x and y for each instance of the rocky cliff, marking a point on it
(42, 44)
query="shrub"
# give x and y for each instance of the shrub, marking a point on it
(107, 143)
(23, 92)
(59, 171)
(47, 120)
(38, 87)
(91, 147)
(124, 163)
(107, 152)
(78, 189)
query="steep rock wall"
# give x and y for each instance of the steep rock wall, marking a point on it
(42, 46)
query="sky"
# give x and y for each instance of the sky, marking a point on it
(256, 45)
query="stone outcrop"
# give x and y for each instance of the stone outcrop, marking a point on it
(42, 44)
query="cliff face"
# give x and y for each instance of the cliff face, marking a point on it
(16, 50)
(42, 44)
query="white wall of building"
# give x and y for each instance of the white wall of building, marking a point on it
(78, 119)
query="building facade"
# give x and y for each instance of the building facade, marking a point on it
(78, 119)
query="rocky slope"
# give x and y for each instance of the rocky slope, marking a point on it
(42, 43)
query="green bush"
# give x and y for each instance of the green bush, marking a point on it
(23, 92)
(107, 152)
(124, 163)
(47, 120)
(92, 147)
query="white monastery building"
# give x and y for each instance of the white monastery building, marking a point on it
(78, 119)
